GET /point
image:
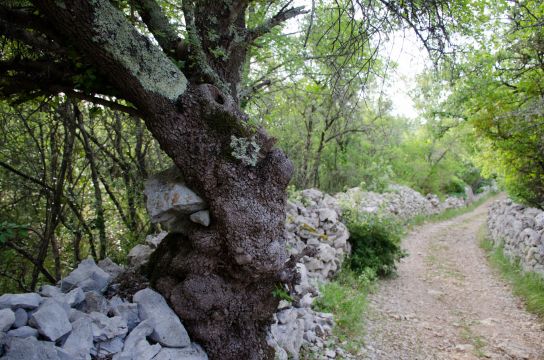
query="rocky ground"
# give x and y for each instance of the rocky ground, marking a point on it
(446, 302)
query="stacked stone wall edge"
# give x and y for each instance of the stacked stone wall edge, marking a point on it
(520, 229)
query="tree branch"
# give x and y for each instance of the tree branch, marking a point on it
(282, 16)
(159, 25)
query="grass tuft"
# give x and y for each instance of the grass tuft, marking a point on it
(528, 286)
(346, 298)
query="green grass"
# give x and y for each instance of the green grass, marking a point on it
(346, 298)
(449, 213)
(527, 285)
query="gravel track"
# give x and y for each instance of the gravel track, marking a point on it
(447, 303)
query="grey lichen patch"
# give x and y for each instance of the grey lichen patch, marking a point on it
(153, 69)
(245, 150)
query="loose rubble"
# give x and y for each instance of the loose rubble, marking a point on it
(521, 230)
(76, 321)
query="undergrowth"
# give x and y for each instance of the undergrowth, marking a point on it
(527, 285)
(346, 297)
(375, 242)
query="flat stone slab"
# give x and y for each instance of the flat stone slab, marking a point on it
(167, 328)
(201, 217)
(168, 197)
(27, 301)
(51, 320)
(23, 332)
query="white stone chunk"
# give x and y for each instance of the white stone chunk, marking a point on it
(27, 301)
(51, 320)
(167, 328)
(7, 318)
(80, 341)
(201, 217)
(88, 276)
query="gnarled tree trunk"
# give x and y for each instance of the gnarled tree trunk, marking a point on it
(219, 279)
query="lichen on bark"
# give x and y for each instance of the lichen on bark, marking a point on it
(145, 61)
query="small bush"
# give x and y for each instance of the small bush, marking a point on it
(456, 186)
(375, 241)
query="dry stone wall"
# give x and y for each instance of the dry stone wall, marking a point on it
(400, 201)
(83, 317)
(521, 230)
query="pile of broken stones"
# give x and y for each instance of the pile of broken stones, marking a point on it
(79, 319)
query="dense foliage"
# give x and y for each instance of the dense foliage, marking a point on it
(375, 243)
(496, 86)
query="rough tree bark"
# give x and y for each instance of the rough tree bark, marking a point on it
(219, 279)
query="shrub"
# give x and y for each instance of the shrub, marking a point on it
(375, 241)
(455, 186)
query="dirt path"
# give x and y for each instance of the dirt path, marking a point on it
(446, 303)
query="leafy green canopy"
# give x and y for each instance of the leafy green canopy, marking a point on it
(499, 88)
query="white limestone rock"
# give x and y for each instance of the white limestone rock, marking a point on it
(27, 301)
(7, 318)
(110, 267)
(106, 328)
(139, 255)
(21, 318)
(167, 328)
(167, 197)
(51, 320)
(201, 217)
(87, 276)
(194, 352)
(80, 341)
(23, 332)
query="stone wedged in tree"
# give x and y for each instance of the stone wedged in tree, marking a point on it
(167, 197)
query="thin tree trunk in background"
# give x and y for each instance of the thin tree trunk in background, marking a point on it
(100, 220)
(317, 161)
(130, 187)
(304, 172)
